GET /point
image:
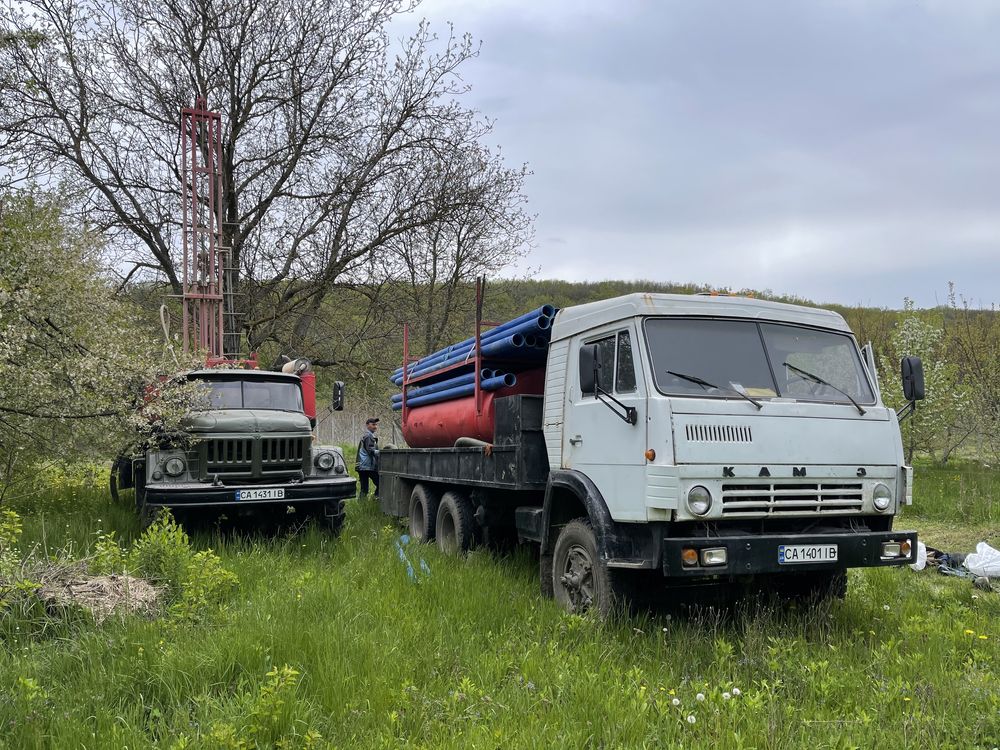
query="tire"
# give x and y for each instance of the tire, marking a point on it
(581, 581)
(545, 576)
(334, 523)
(455, 529)
(424, 501)
(142, 509)
(113, 483)
(118, 479)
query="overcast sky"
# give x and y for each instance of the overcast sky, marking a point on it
(844, 151)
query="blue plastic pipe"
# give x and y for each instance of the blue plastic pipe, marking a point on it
(467, 379)
(456, 351)
(504, 339)
(493, 384)
(542, 318)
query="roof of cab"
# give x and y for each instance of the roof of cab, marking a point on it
(236, 372)
(571, 321)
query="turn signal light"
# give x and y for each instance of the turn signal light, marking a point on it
(650, 454)
(904, 548)
(689, 557)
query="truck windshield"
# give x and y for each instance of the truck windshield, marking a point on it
(762, 360)
(253, 394)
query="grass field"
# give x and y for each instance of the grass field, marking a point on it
(330, 643)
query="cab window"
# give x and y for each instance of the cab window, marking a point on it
(625, 370)
(616, 373)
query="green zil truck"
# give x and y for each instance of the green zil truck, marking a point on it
(251, 450)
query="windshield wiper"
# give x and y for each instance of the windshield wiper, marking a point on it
(706, 384)
(817, 379)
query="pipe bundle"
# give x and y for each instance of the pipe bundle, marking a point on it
(519, 343)
(525, 337)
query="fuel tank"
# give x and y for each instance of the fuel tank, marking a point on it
(440, 425)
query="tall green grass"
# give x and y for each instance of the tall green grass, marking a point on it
(468, 655)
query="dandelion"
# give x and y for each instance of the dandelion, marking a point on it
(885, 607)
(700, 697)
(970, 632)
(737, 691)
(691, 719)
(983, 637)
(676, 701)
(726, 696)
(906, 698)
(664, 630)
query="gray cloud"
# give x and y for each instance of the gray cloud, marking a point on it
(845, 151)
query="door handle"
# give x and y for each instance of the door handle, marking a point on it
(575, 440)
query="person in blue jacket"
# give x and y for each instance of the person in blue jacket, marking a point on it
(367, 465)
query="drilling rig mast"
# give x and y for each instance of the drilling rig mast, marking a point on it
(207, 275)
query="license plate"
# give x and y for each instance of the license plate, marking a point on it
(806, 553)
(274, 494)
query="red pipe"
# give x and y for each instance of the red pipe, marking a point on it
(440, 425)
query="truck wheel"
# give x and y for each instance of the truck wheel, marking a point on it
(545, 576)
(118, 479)
(455, 528)
(113, 483)
(142, 509)
(581, 581)
(424, 503)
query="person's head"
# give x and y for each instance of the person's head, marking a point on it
(372, 424)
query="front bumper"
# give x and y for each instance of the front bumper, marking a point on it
(751, 555)
(300, 494)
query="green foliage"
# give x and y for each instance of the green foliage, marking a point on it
(473, 657)
(196, 581)
(10, 532)
(107, 557)
(73, 359)
(163, 554)
(943, 420)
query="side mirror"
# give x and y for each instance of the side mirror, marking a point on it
(588, 369)
(338, 396)
(912, 370)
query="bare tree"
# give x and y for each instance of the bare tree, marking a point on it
(431, 269)
(338, 146)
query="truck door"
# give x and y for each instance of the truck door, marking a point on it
(597, 440)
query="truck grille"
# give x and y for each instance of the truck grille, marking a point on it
(228, 455)
(789, 499)
(248, 458)
(283, 454)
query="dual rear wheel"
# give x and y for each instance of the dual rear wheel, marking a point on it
(447, 518)
(574, 574)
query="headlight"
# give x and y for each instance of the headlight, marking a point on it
(174, 466)
(324, 461)
(699, 500)
(881, 497)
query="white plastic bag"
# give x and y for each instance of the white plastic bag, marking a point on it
(985, 561)
(921, 562)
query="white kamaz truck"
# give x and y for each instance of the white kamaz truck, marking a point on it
(680, 441)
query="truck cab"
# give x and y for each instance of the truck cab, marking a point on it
(721, 437)
(250, 448)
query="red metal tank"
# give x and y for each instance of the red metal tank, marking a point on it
(309, 394)
(440, 425)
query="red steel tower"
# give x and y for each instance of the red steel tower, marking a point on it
(206, 261)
